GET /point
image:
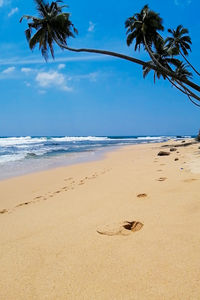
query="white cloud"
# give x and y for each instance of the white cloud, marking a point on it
(30, 61)
(26, 70)
(61, 66)
(13, 11)
(91, 26)
(1, 3)
(52, 78)
(91, 77)
(8, 70)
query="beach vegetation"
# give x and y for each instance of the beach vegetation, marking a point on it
(168, 56)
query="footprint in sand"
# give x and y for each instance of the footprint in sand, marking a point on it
(3, 211)
(23, 204)
(81, 182)
(142, 195)
(65, 188)
(161, 179)
(68, 179)
(37, 198)
(57, 192)
(190, 180)
(125, 228)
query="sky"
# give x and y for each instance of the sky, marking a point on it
(89, 94)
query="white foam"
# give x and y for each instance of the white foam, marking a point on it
(151, 138)
(12, 141)
(79, 139)
(10, 158)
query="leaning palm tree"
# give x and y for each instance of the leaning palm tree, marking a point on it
(164, 57)
(143, 28)
(180, 41)
(53, 26)
(182, 71)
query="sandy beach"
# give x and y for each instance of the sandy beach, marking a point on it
(124, 227)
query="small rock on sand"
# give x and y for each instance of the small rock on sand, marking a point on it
(142, 195)
(163, 153)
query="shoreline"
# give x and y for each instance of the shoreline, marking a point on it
(97, 154)
(122, 227)
(25, 155)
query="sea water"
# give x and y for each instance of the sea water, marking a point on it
(22, 155)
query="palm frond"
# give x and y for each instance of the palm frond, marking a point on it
(52, 25)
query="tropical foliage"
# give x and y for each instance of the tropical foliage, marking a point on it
(53, 26)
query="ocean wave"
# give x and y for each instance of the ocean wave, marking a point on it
(78, 139)
(12, 141)
(26, 148)
(152, 137)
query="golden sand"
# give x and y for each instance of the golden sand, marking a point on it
(125, 227)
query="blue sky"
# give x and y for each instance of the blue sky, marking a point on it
(89, 94)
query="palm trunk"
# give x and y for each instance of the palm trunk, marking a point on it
(183, 91)
(108, 53)
(169, 73)
(189, 63)
(128, 58)
(188, 90)
(156, 62)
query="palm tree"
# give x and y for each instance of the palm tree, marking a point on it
(182, 71)
(145, 24)
(53, 26)
(164, 57)
(180, 41)
(143, 27)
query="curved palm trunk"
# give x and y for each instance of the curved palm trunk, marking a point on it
(172, 74)
(183, 91)
(166, 71)
(108, 53)
(128, 58)
(188, 90)
(189, 62)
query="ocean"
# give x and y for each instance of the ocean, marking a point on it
(22, 155)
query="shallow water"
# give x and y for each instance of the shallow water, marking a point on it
(22, 155)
